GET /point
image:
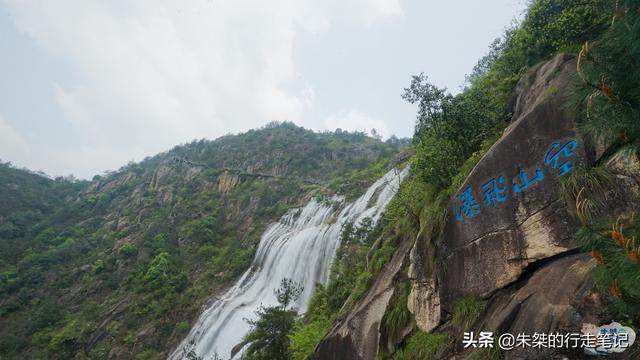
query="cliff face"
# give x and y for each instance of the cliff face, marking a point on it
(508, 213)
(509, 233)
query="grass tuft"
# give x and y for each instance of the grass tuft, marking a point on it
(467, 310)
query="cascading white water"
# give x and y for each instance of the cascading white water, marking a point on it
(300, 247)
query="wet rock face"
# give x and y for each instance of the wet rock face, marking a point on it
(508, 212)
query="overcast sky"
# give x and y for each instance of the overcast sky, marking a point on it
(87, 85)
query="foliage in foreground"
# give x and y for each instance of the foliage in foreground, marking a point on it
(421, 345)
(608, 92)
(608, 89)
(616, 251)
(269, 335)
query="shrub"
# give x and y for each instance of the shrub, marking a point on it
(617, 253)
(306, 337)
(183, 327)
(608, 90)
(397, 315)
(421, 345)
(158, 270)
(98, 266)
(128, 250)
(466, 310)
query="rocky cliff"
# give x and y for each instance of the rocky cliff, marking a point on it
(508, 238)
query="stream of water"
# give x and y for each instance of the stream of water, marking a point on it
(300, 247)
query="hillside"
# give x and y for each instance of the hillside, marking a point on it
(122, 264)
(514, 210)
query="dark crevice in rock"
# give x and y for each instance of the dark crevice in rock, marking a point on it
(531, 269)
(477, 240)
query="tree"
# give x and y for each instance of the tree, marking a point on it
(288, 292)
(269, 337)
(448, 128)
(375, 134)
(158, 270)
(609, 87)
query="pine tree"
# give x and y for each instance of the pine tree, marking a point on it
(609, 70)
(608, 91)
(269, 337)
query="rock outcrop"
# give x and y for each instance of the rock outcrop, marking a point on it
(357, 335)
(557, 297)
(508, 213)
(508, 237)
(227, 181)
(424, 298)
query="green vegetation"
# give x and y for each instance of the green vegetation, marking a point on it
(345, 161)
(608, 87)
(617, 253)
(607, 92)
(397, 316)
(269, 335)
(449, 128)
(30, 205)
(466, 310)
(127, 260)
(421, 345)
(454, 131)
(135, 253)
(306, 337)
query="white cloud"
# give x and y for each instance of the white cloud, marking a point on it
(355, 120)
(380, 9)
(13, 147)
(156, 73)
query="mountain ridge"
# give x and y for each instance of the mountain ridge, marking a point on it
(136, 252)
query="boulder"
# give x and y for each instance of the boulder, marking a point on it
(424, 303)
(508, 214)
(556, 297)
(513, 245)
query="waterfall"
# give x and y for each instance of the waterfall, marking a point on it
(301, 247)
